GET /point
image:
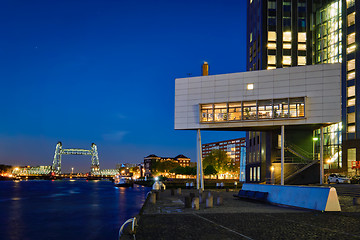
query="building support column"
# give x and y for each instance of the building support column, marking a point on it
(282, 153)
(321, 155)
(199, 167)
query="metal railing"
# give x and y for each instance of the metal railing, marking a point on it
(133, 225)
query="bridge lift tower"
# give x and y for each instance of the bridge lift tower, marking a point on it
(95, 166)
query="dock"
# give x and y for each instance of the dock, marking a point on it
(240, 219)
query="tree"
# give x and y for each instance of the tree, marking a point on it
(190, 170)
(219, 160)
(178, 170)
(210, 170)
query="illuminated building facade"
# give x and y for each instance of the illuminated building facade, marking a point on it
(234, 148)
(182, 160)
(297, 32)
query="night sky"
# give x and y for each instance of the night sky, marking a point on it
(103, 71)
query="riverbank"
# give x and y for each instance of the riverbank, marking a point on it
(239, 219)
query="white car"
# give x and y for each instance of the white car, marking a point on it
(337, 178)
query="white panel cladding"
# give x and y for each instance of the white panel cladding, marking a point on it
(320, 84)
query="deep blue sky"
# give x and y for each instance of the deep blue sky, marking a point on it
(83, 71)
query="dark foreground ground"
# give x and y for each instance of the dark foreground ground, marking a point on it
(241, 219)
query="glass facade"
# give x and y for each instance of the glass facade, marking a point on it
(284, 108)
(332, 146)
(328, 32)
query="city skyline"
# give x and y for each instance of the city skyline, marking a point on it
(103, 72)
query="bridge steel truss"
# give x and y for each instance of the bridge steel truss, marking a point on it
(59, 151)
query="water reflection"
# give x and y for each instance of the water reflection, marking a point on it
(66, 210)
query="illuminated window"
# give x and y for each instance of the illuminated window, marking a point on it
(351, 91)
(265, 109)
(301, 46)
(297, 107)
(301, 60)
(220, 112)
(351, 75)
(250, 37)
(250, 86)
(207, 113)
(287, 36)
(234, 111)
(281, 108)
(351, 19)
(351, 65)
(249, 110)
(350, 3)
(272, 59)
(271, 67)
(272, 36)
(351, 118)
(351, 102)
(351, 38)
(351, 129)
(302, 37)
(351, 49)
(287, 46)
(287, 60)
(272, 5)
(271, 45)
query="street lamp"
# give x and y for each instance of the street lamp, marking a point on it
(272, 168)
(72, 170)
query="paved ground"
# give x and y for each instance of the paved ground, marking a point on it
(240, 219)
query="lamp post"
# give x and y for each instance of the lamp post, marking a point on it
(72, 170)
(272, 168)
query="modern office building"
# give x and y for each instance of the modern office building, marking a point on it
(302, 32)
(234, 148)
(288, 103)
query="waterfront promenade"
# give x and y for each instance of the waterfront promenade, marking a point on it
(240, 219)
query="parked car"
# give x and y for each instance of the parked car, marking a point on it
(355, 179)
(337, 178)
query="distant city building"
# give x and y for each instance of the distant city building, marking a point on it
(127, 165)
(234, 148)
(182, 160)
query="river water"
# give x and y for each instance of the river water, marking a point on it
(64, 209)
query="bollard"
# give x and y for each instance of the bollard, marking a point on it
(217, 185)
(219, 200)
(179, 191)
(191, 185)
(157, 195)
(209, 202)
(187, 202)
(153, 198)
(195, 203)
(192, 195)
(202, 197)
(187, 185)
(235, 183)
(172, 192)
(356, 201)
(221, 185)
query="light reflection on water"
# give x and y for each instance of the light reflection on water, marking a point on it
(66, 210)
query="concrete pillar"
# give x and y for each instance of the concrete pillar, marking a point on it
(282, 153)
(199, 167)
(321, 155)
(198, 159)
